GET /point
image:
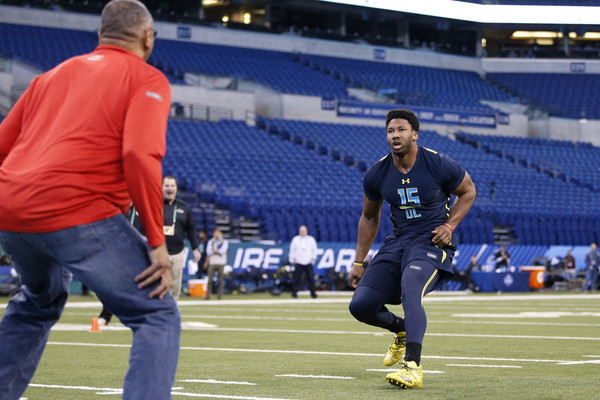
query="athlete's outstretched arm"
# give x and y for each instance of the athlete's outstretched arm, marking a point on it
(465, 196)
(368, 225)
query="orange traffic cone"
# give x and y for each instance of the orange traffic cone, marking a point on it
(95, 327)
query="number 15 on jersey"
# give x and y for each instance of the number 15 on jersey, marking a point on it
(410, 200)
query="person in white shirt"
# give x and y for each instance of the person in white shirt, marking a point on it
(216, 252)
(303, 252)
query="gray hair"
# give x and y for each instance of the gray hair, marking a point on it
(124, 19)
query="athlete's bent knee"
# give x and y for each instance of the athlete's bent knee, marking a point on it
(360, 310)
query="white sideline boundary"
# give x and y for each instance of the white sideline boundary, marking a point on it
(201, 326)
(345, 298)
(327, 353)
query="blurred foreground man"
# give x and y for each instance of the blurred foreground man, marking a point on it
(84, 140)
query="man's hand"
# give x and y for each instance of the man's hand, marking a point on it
(159, 270)
(442, 236)
(197, 255)
(355, 275)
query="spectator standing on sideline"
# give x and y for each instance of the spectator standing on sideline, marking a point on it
(569, 262)
(502, 259)
(474, 265)
(417, 183)
(592, 261)
(465, 277)
(203, 262)
(85, 139)
(303, 253)
(178, 222)
(216, 251)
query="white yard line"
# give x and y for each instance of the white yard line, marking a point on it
(579, 362)
(316, 376)
(217, 396)
(483, 366)
(324, 353)
(118, 391)
(345, 298)
(388, 370)
(217, 382)
(201, 326)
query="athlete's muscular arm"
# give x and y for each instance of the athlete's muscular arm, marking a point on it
(368, 225)
(465, 193)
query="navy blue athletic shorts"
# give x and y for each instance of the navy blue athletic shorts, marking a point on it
(384, 273)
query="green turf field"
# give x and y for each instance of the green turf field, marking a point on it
(530, 346)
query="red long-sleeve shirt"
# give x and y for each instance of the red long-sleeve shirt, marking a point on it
(85, 139)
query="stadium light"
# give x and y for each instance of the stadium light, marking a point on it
(486, 13)
(535, 35)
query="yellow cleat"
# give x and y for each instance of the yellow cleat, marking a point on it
(396, 350)
(410, 376)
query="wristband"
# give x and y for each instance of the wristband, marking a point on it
(449, 226)
(358, 263)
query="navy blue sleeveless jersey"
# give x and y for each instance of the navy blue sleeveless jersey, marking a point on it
(419, 200)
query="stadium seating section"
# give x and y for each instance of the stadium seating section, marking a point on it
(414, 85)
(315, 171)
(562, 95)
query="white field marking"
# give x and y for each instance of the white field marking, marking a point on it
(510, 323)
(86, 327)
(324, 353)
(218, 396)
(531, 314)
(120, 327)
(388, 370)
(216, 381)
(194, 326)
(483, 366)
(432, 297)
(452, 308)
(429, 298)
(578, 362)
(593, 356)
(115, 391)
(513, 336)
(89, 388)
(255, 317)
(427, 334)
(316, 376)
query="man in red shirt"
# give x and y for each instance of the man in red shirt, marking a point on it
(83, 141)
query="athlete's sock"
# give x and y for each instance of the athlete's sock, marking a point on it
(413, 352)
(399, 325)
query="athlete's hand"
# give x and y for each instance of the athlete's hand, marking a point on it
(355, 275)
(159, 270)
(442, 236)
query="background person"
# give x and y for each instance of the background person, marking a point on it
(592, 261)
(85, 139)
(569, 263)
(303, 253)
(502, 259)
(216, 251)
(178, 222)
(203, 262)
